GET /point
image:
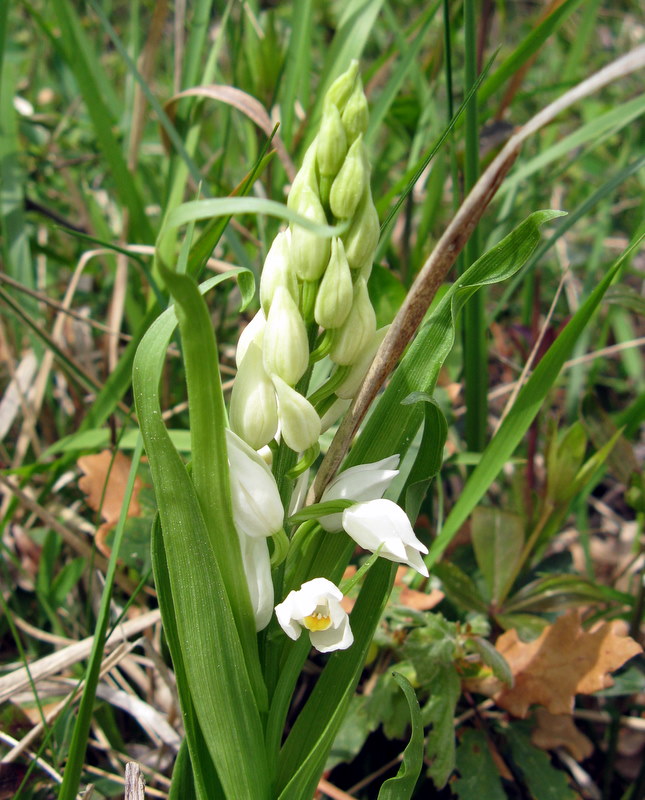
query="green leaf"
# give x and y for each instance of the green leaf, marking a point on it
(203, 775)
(387, 294)
(66, 580)
(542, 779)
(459, 587)
(439, 711)
(558, 592)
(492, 658)
(479, 776)
(220, 688)
(529, 45)
(430, 456)
(498, 540)
(528, 403)
(402, 785)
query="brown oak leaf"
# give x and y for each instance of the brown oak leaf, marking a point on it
(559, 730)
(563, 661)
(102, 483)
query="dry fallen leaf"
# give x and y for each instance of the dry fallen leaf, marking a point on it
(559, 730)
(102, 483)
(563, 661)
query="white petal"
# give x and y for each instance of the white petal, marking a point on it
(257, 507)
(333, 638)
(361, 483)
(382, 523)
(257, 567)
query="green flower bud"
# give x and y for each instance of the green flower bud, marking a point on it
(299, 422)
(362, 238)
(341, 89)
(276, 271)
(349, 185)
(352, 383)
(354, 335)
(356, 114)
(286, 348)
(254, 332)
(309, 253)
(306, 177)
(254, 409)
(336, 290)
(331, 142)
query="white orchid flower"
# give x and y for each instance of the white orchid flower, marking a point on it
(361, 483)
(257, 568)
(381, 523)
(257, 507)
(316, 607)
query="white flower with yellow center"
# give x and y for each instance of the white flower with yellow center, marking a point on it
(316, 608)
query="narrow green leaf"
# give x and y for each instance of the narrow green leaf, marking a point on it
(492, 658)
(430, 456)
(555, 592)
(402, 785)
(527, 405)
(593, 131)
(529, 45)
(297, 66)
(202, 777)
(196, 210)
(220, 687)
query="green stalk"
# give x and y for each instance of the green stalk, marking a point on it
(474, 330)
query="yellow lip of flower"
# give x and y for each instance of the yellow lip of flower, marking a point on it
(317, 621)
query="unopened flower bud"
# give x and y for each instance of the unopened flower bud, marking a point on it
(349, 185)
(276, 271)
(254, 409)
(354, 335)
(299, 421)
(355, 115)
(362, 237)
(341, 89)
(352, 383)
(331, 142)
(336, 291)
(309, 252)
(285, 346)
(306, 177)
(254, 332)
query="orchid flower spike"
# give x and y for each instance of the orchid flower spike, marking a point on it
(316, 607)
(361, 483)
(381, 523)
